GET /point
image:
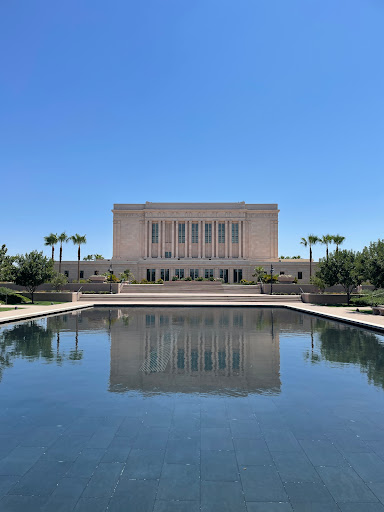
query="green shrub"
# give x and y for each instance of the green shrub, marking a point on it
(175, 278)
(144, 281)
(199, 279)
(11, 296)
(189, 278)
(369, 298)
(211, 279)
(159, 281)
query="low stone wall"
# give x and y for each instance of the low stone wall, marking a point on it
(53, 296)
(321, 298)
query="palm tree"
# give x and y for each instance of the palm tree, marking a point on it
(78, 240)
(310, 241)
(326, 240)
(338, 240)
(88, 258)
(63, 238)
(51, 240)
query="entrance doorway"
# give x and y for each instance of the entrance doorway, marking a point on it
(164, 274)
(237, 275)
(224, 274)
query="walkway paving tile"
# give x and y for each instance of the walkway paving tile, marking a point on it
(20, 460)
(42, 436)
(7, 482)
(102, 437)
(152, 438)
(135, 495)
(22, 503)
(378, 490)
(8, 443)
(262, 483)
(66, 495)
(281, 440)
(245, 429)
(294, 467)
(347, 441)
(368, 466)
(345, 485)
(314, 507)
(223, 507)
(144, 464)
(323, 453)
(91, 505)
(361, 507)
(308, 492)
(219, 465)
(130, 428)
(67, 447)
(86, 463)
(118, 450)
(216, 439)
(228, 494)
(103, 480)
(269, 507)
(179, 482)
(183, 451)
(42, 479)
(252, 452)
(176, 506)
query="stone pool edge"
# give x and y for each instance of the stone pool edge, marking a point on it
(25, 312)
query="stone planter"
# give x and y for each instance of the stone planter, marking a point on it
(286, 279)
(322, 298)
(98, 279)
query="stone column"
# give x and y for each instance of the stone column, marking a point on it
(159, 238)
(177, 239)
(150, 238)
(240, 238)
(163, 239)
(145, 238)
(216, 238)
(226, 240)
(203, 237)
(173, 239)
(244, 237)
(230, 238)
(189, 239)
(199, 231)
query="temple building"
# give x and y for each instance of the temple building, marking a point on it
(198, 240)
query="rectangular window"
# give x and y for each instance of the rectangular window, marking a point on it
(96, 272)
(195, 233)
(221, 233)
(81, 274)
(194, 273)
(168, 254)
(151, 274)
(299, 275)
(208, 233)
(208, 272)
(150, 320)
(155, 233)
(235, 233)
(182, 233)
(66, 273)
(282, 273)
(179, 272)
(164, 274)
(237, 275)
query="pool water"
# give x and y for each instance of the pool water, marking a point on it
(191, 409)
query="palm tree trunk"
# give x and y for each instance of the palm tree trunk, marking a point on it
(78, 265)
(53, 253)
(61, 256)
(337, 248)
(310, 262)
(327, 252)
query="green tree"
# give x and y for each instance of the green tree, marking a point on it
(260, 274)
(51, 240)
(32, 270)
(78, 240)
(88, 258)
(63, 238)
(127, 275)
(371, 263)
(6, 268)
(310, 241)
(341, 268)
(99, 257)
(58, 281)
(326, 240)
(338, 240)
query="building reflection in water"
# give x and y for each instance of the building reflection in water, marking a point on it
(195, 349)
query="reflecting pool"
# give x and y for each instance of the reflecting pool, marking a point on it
(189, 409)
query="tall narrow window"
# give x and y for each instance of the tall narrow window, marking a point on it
(194, 273)
(221, 233)
(179, 272)
(208, 233)
(235, 233)
(151, 274)
(182, 233)
(208, 272)
(195, 233)
(164, 274)
(155, 233)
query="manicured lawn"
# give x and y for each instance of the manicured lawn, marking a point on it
(5, 309)
(43, 303)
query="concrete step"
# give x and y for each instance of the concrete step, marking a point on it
(125, 298)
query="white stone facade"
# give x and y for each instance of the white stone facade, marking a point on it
(220, 240)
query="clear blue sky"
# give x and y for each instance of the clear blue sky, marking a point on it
(191, 100)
